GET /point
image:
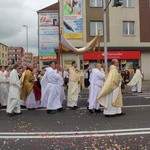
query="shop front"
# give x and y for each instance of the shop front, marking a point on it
(128, 59)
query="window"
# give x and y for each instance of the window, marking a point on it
(128, 27)
(128, 3)
(95, 26)
(95, 3)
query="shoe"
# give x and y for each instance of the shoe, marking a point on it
(50, 112)
(61, 109)
(76, 107)
(98, 111)
(134, 91)
(140, 92)
(110, 116)
(23, 107)
(11, 114)
(73, 108)
(91, 111)
(31, 108)
(121, 114)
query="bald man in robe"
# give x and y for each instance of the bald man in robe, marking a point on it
(111, 97)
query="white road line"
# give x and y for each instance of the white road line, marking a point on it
(74, 136)
(78, 132)
(84, 108)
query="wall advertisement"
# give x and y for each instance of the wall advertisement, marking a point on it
(48, 35)
(73, 19)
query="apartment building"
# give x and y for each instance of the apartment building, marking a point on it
(3, 54)
(36, 61)
(28, 58)
(15, 55)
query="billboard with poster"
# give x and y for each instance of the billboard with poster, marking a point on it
(48, 35)
(72, 19)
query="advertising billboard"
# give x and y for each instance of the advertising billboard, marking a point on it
(48, 35)
(72, 19)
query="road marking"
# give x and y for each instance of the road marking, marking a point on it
(84, 108)
(80, 134)
(77, 132)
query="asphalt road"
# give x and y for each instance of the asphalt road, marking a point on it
(78, 129)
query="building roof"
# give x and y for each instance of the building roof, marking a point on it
(3, 44)
(54, 6)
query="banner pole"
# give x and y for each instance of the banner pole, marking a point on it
(98, 46)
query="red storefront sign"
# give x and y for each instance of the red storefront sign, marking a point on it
(121, 55)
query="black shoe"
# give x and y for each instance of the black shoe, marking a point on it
(134, 91)
(50, 112)
(90, 110)
(61, 109)
(140, 92)
(76, 107)
(23, 107)
(110, 116)
(11, 114)
(121, 114)
(72, 108)
(3, 107)
(31, 108)
(98, 111)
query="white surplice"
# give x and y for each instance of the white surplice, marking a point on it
(4, 89)
(13, 104)
(50, 91)
(61, 88)
(136, 81)
(96, 83)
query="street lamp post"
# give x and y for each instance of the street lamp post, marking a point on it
(26, 36)
(105, 36)
(116, 4)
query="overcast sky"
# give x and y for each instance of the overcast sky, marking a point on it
(16, 13)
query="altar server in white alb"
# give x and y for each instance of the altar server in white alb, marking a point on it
(136, 81)
(61, 84)
(96, 83)
(51, 94)
(13, 104)
(4, 87)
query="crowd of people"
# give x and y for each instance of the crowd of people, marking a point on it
(34, 89)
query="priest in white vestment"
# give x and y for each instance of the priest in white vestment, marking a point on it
(75, 78)
(111, 97)
(50, 92)
(4, 87)
(136, 81)
(13, 104)
(96, 83)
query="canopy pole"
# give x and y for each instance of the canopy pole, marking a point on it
(59, 47)
(98, 60)
(61, 54)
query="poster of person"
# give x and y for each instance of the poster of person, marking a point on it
(73, 19)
